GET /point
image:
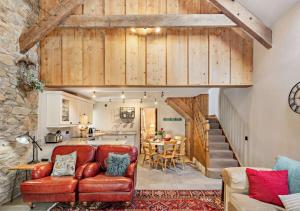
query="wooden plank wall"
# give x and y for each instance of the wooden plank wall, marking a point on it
(119, 57)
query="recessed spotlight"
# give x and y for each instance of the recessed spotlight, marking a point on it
(133, 30)
(157, 29)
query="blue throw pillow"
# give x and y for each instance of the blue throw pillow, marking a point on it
(293, 167)
(117, 164)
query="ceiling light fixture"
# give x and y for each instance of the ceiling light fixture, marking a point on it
(145, 95)
(157, 29)
(123, 95)
(133, 30)
(94, 94)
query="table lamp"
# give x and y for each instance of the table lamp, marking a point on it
(26, 139)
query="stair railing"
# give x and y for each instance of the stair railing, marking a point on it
(235, 129)
(201, 132)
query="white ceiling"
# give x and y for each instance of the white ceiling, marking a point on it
(269, 11)
(105, 94)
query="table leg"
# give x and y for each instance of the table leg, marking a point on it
(13, 187)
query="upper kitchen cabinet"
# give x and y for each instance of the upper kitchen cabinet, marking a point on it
(64, 110)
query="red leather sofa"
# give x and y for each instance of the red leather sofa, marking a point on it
(96, 186)
(44, 188)
(89, 183)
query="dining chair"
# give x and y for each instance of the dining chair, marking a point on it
(149, 153)
(168, 155)
(180, 153)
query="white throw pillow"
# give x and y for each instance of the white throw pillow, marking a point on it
(291, 202)
(64, 165)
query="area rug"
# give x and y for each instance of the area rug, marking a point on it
(157, 200)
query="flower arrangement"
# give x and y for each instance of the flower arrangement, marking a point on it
(27, 76)
(161, 132)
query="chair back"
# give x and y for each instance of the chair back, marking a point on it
(103, 151)
(85, 153)
(182, 146)
(170, 147)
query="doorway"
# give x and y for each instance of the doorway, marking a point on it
(148, 124)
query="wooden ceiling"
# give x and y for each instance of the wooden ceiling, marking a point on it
(60, 13)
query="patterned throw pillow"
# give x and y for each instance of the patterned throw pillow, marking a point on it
(117, 164)
(64, 165)
(291, 202)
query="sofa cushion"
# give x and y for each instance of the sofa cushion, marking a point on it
(50, 185)
(85, 153)
(266, 186)
(243, 202)
(64, 165)
(293, 166)
(117, 164)
(291, 202)
(104, 150)
(104, 183)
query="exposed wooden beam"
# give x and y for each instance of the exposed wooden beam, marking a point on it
(125, 21)
(35, 33)
(245, 19)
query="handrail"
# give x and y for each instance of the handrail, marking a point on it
(202, 128)
(235, 129)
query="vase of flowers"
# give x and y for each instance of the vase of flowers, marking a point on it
(160, 133)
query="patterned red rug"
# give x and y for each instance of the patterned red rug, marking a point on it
(160, 200)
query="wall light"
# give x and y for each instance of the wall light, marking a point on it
(155, 102)
(94, 94)
(157, 29)
(141, 100)
(162, 94)
(145, 95)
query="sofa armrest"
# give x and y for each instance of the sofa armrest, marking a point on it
(91, 170)
(79, 171)
(41, 171)
(236, 178)
(131, 170)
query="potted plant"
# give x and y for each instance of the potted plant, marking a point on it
(28, 76)
(160, 133)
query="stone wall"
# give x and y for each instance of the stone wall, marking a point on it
(18, 109)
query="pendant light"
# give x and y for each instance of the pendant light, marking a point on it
(94, 94)
(123, 95)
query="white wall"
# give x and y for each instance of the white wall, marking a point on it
(274, 127)
(213, 101)
(107, 118)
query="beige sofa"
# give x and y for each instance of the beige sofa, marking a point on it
(236, 192)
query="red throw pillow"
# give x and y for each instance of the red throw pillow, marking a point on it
(267, 185)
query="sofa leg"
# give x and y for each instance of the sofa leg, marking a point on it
(72, 204)
(30, 204)
(128, 203)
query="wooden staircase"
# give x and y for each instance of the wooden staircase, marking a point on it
(220, 153)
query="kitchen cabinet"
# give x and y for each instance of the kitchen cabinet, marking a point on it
(64, 109)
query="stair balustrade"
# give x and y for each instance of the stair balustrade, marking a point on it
(235, 129)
